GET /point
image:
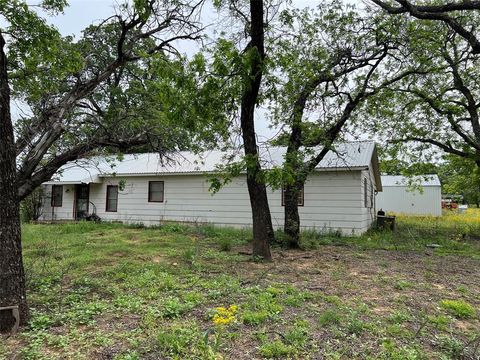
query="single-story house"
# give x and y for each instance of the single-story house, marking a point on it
(338, 195)
(419, 195)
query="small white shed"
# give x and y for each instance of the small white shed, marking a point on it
(420, 195)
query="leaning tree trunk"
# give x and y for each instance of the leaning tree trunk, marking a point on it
(12, 277)
(262, 222)
(292, 218)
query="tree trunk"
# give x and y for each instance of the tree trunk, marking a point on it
(262, 222)
(12, 277)
(292, 218)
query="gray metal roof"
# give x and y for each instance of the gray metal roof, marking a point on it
(346, 156)
(421, 180)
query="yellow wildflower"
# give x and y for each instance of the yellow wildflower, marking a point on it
(225, 316)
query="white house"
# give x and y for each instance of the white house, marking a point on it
(420, 195)
(339, 195)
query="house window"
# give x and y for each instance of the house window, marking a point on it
(155, 191)
(301, 197)
(365, 193)
(112, 198)
(57, 195)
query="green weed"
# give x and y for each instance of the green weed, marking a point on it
(276, 349)
(458, 308)
(329, 317)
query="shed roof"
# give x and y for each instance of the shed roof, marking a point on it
(403, 181)
(350, 155)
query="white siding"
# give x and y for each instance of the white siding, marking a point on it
(59, 212)
(369, 211)
(401, 200)
(333, 201)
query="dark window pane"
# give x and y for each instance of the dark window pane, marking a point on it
(365, 195)
(57, 195)
(300, 197)
(112, 198)
(155, 191)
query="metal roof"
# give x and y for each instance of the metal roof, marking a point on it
(421, 180)
(81, 171)
(346, 156)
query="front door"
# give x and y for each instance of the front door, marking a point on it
(81, 201)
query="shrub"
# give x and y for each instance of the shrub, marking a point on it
(31, 208)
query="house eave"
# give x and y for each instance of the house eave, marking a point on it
(63, 183)
(357, 168)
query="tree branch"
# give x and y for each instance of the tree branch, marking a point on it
(438, 12)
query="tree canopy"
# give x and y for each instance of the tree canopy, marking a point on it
(438, 107)
(121, 87)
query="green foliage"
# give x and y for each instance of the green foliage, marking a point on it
(392, 351)
(117, 88)
(174, 307)
(276, 349)
(32, 206)
(439, 321)
(355, 326)
(329, 317)
(451, 346)
(226, 244)
(402, 285)
(261, 307)
(298, 335)
(431, 111)
(34, 47)
(396, 166)
(184, 340)
(458, 308)
(461, 177)
(254, 317)
(399, 317)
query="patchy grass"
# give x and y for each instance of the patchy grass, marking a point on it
(459, 308)
(107, 291)
(450, 234)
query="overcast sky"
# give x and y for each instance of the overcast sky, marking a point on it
(81, 13)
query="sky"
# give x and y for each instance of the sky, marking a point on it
(81, 13)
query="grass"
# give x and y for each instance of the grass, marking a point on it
(459, 308)
(451, 234)
(129, 292)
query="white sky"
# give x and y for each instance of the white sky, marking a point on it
(81, 13)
